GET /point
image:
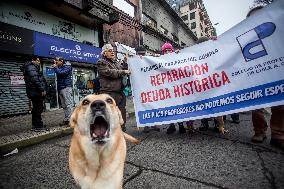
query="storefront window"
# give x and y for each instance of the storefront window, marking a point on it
(51, 99)
(83, 81)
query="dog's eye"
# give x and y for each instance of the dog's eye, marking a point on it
(85, 102)
(109, 100)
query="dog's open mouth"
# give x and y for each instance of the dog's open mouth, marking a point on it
(99, 129)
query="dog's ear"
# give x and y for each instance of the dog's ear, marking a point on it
(74, 118)
(121, 121)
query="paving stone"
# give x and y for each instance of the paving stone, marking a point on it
(273, 164)
(154, 180)
(206, 158)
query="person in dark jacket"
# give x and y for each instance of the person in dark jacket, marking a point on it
(36, 87)
(63, 72)
(111, 72)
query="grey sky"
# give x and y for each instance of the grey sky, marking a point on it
(227, 13)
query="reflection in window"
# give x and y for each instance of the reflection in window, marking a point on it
(164, 30)
(193, 25)
(192, 15)
(175, 38)
(185, 17)
(147, 20)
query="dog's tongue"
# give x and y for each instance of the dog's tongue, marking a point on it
(100, 130)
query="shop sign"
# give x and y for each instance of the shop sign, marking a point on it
(33, 19)
(49, 72)
(50, 46)
(17, 80)
(16, 39)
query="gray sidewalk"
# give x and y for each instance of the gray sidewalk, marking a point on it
(161, 161)
(15, 131)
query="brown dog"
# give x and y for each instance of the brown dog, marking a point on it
(98, 148)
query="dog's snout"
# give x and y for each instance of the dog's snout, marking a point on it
(98, 105)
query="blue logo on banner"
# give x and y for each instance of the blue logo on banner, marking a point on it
(251, 41)
(50, 46)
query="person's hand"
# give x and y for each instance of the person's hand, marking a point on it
(214, 38)
(54, 65)
(127, 72)
(125, 58)
(43, 93)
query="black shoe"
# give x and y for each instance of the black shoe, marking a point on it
(64, 123)
(216, 129)
(204, 125)
(146, 129)
(277, 143)
(236, 121)
(171, 129)
(155, 128)
(203, 128)
(182, 130)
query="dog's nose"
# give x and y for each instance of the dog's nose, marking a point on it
(98, 105)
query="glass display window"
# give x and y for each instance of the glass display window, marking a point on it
(51, 99)
(83, 82)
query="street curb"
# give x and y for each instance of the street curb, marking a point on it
(6, 148)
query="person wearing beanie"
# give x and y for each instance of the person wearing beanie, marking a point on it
(110, 73)
(258, 120)
(166, 49)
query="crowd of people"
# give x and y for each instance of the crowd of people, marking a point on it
(111, 73)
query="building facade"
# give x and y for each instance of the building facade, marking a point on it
(194, 14)
(162, 24)
(44, 30)
(127, 31)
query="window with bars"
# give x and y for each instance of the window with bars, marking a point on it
(192, 15)
(147, 20)
(185, 17)
(193, 25)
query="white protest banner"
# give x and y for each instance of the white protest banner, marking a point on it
(242, 70)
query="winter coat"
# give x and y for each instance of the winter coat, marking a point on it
(111, 74)
(35, 82)
(64, 76)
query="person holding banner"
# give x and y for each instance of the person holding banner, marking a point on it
(258, 119)
(141, 51)
(166, 49)
(111, 72)
(218, 121)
